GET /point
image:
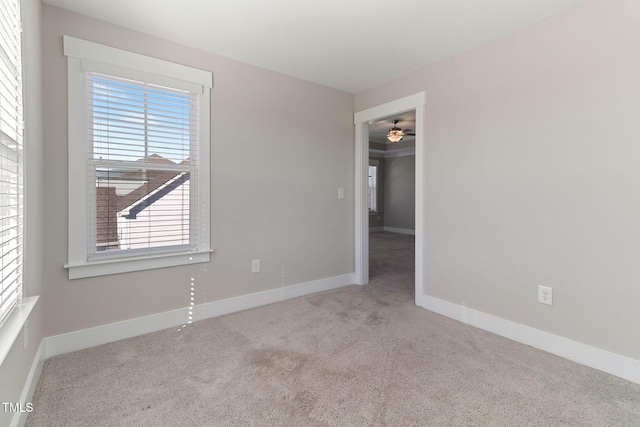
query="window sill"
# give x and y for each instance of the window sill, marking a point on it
(126, 265)
(10, 329)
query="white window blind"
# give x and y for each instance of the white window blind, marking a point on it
(373, 188)
(142, 146)
(11, 193)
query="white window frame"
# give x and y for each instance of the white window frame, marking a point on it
(375, 164)
(83, 56)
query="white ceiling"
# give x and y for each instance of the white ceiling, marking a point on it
(346, 44)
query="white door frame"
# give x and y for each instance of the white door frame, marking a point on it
(361, 120)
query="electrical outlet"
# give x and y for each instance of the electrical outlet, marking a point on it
(340, 193)
(255, 266)
(545, 295)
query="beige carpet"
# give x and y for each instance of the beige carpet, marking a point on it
(357, 356)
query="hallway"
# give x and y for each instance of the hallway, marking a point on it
(392, 264)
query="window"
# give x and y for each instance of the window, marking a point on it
(373, 186)
(142, 143)
(11, 193)
(139, 158)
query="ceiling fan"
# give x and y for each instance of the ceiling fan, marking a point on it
(396, 134)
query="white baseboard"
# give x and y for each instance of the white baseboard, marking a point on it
(612, 363)
(375, 229)
(91, 337)
(20, 418)
(400, 230)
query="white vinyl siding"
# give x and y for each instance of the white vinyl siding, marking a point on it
(145, 231)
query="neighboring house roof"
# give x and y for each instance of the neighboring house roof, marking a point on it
(162, 191)
(154, 180)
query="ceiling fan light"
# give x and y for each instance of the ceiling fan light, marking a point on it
(395, 135)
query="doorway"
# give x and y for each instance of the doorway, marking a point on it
(361, 120)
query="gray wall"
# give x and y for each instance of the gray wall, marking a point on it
(16, 366)
(376, 220)
(399, 192)
(273, 187)
(532, 174)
